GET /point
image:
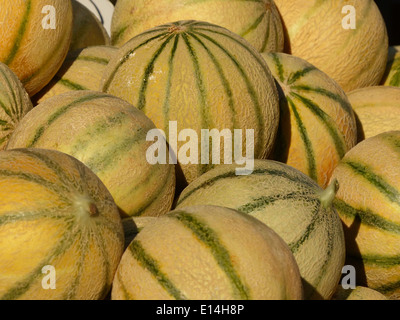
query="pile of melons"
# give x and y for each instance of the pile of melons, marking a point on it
(114, 184)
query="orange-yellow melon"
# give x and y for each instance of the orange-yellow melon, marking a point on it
(108, 135)
(14, 103)
(60, 229)
(35, 38)
(256, 21)
(207, 253)
(368, 204)
(377, 109)
(322, 33)
(82, 70)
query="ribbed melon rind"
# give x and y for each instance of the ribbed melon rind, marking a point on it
(317, 123)
(55, 213)
(368, 204)
(377, 109)
(14, 103)
(207, 253)
(108, 135)
(322, 33)
(256, 21)
(202, 76)
(290, 203)
(35, 43)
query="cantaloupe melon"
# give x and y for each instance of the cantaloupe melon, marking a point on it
(322, 33)
(82, 70)
(207, 253)
(359, 293)
(256, 21)
(202, 77)
(35, 38)
(14, 103)
(377, 109)
(290, 203)
(133, 225)
(369, 207)
(392, 73)
(108, 135)
(317, 123)
(87, 29)
(60, 229)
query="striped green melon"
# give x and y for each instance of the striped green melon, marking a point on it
(377, 109)
(317, 125)
(87, 30)
(359, 293)
(369, 206)
(82, 70)
(35, 38)
(392, 73)
(108, 135)
(292, 205)
(346, 39)
(14, 103)
(207, 253)
(203, 77)
(55, 213)
(133, 225)
(256, 21)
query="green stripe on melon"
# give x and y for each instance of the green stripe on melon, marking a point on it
(202, 76)
(109, 136)
(30, 47)
(289, 202)
(20, 33)
(347, 41)
(392, 73)
(14, 103)
(317, 125)
(368, 204)
(81, 70)
(55, 212)
(256, 21)
(192, 253)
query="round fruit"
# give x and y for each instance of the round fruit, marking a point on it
(290, 203)
(368, 204)
(202, 77)
(377, 109)
(133, 225)
(359, 293)
(14, 103)
(392, 74)
(317, 123)
(207, 253)
(87, 29)
(81, 70)
(256, 21)
(109, 136)
(59, 228)
(35, 38)
(347, 40)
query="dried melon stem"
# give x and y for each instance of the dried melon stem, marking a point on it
(328, 195)
(85, 207)
(176, 29)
